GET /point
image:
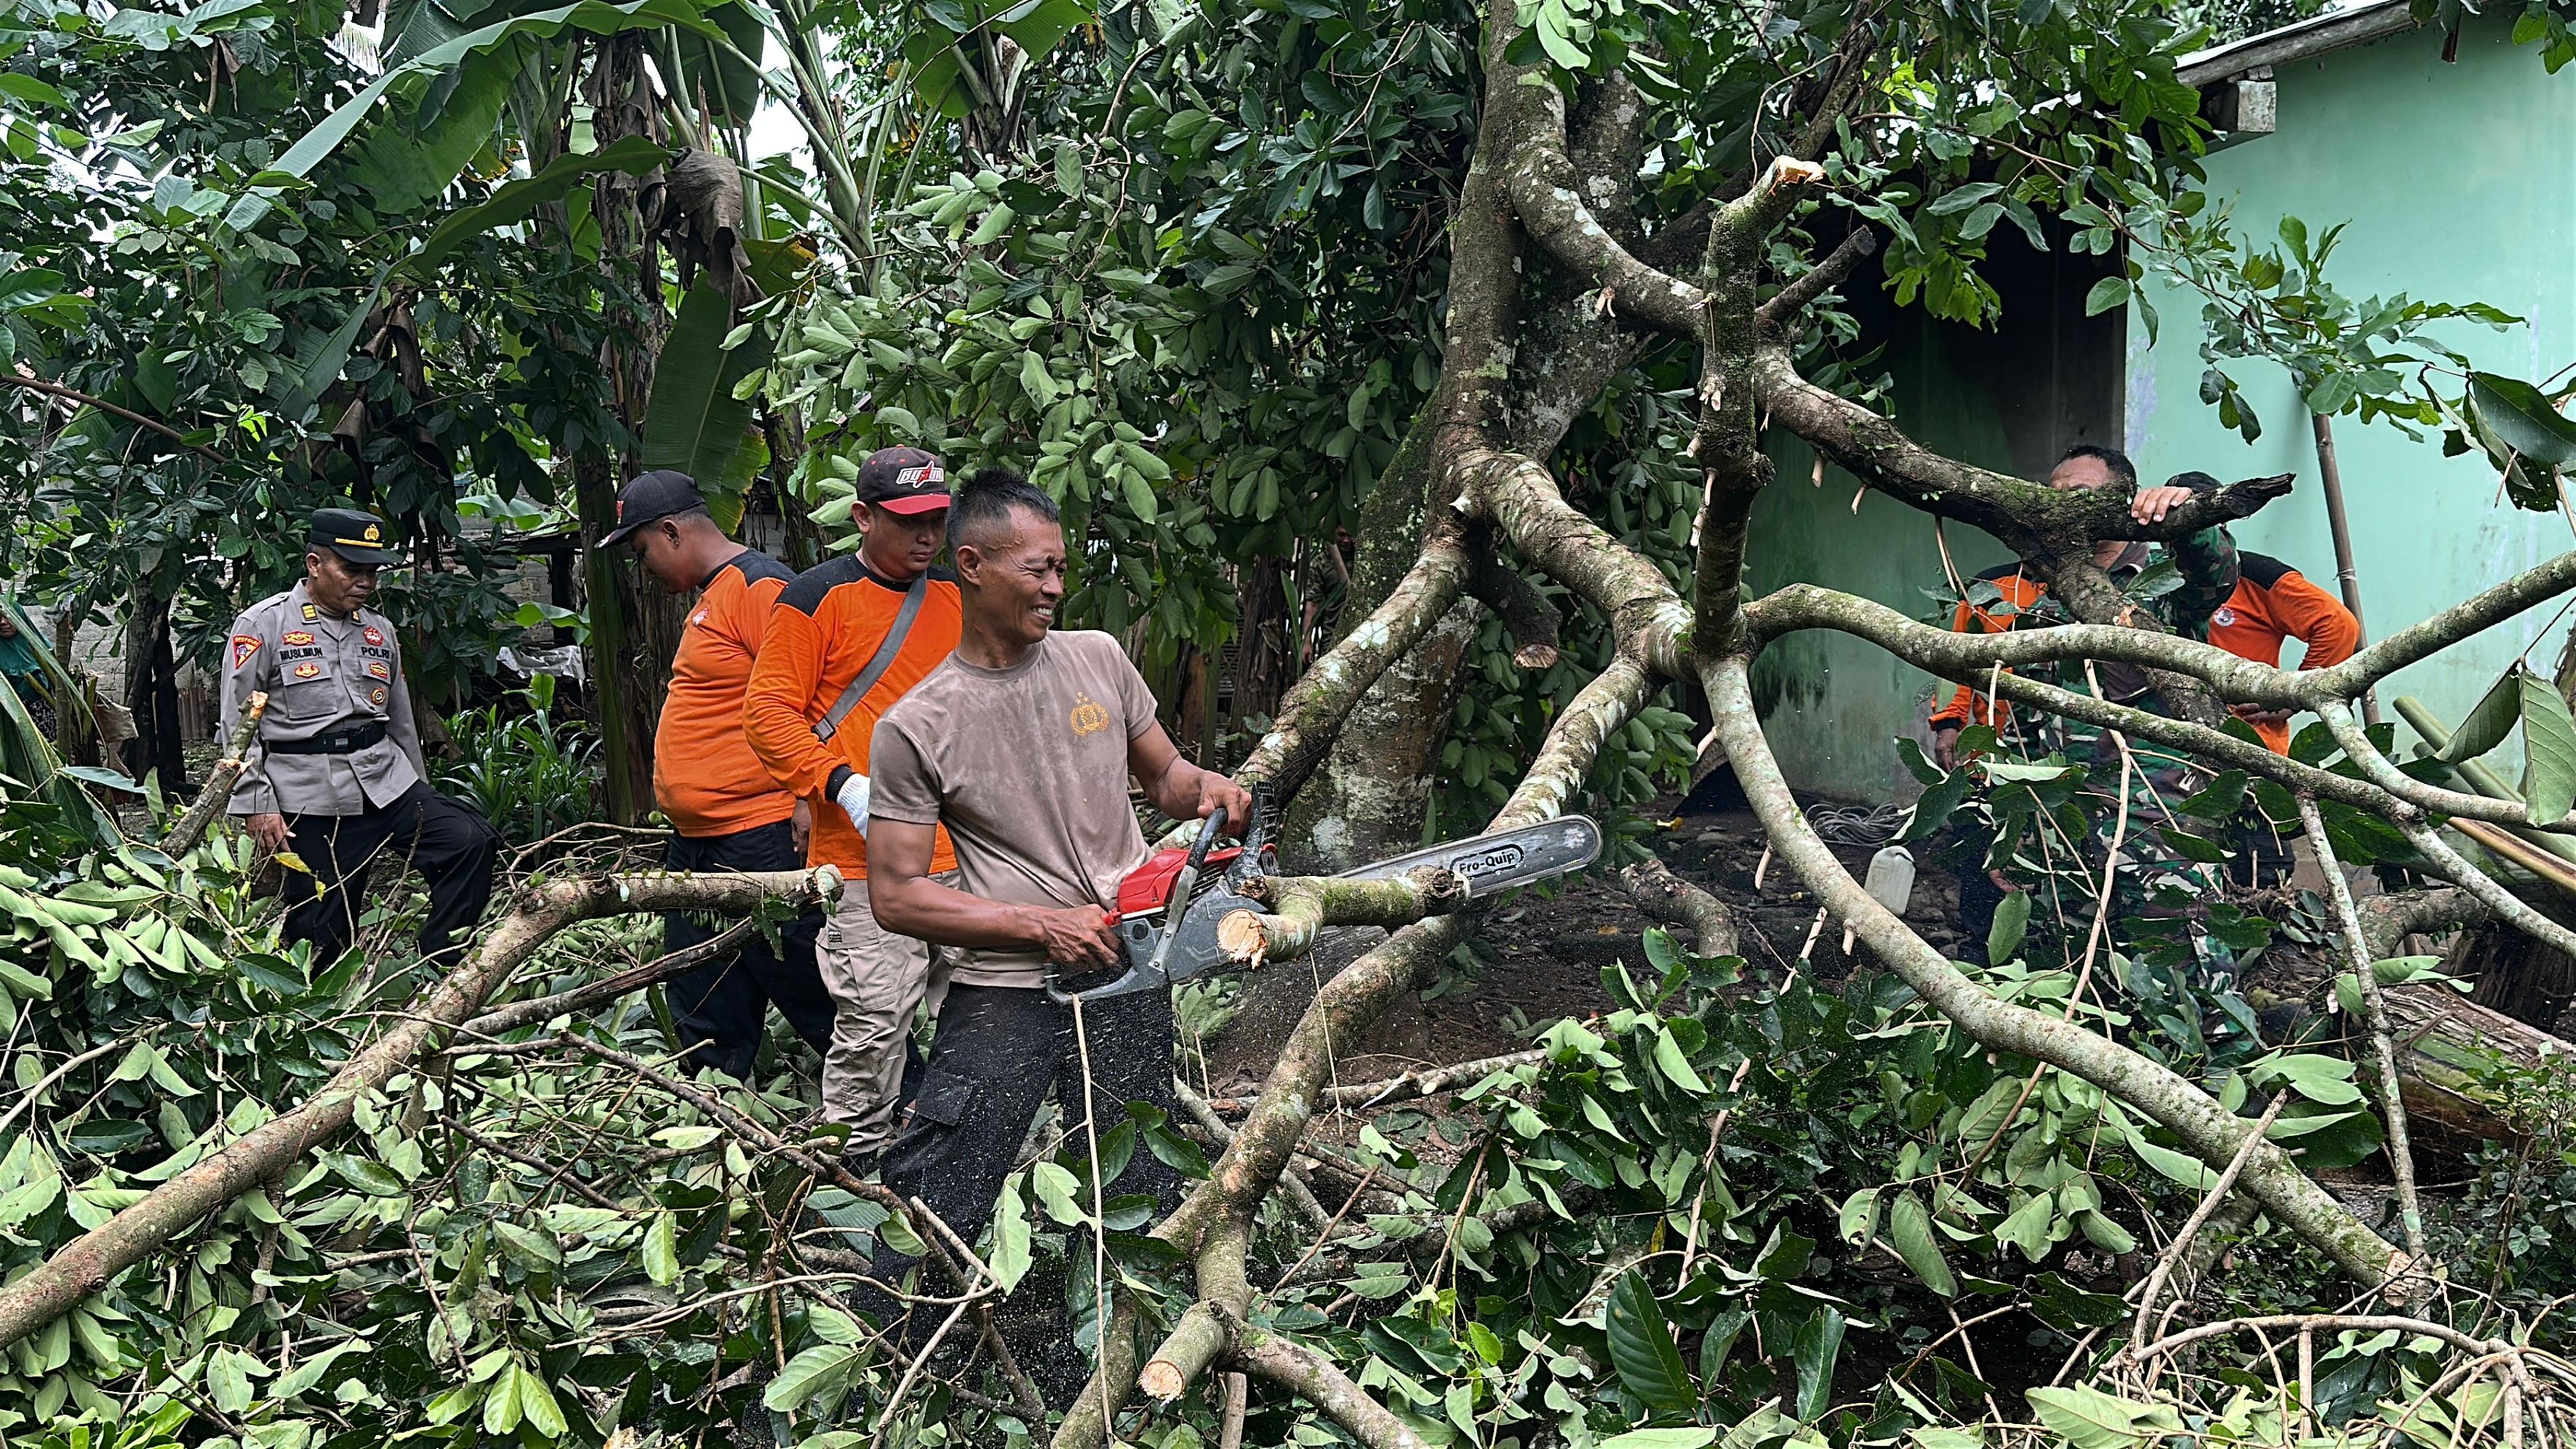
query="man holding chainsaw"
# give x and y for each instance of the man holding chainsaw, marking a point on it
(1020, 746)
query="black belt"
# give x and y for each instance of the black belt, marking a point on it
(346, 742)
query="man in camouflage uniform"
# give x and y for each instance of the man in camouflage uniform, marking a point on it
(338, 778)
(2202, 574)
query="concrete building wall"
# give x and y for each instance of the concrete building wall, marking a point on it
(2459, 184)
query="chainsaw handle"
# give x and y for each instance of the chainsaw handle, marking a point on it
(1155, 971)
(1209, 830)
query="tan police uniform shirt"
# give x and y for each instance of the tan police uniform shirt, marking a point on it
(323, 675)
(1027, 767)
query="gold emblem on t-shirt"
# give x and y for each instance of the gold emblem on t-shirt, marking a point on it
(1089, 718)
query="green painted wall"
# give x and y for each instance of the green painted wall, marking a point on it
(1832, 704)
(2459, 182)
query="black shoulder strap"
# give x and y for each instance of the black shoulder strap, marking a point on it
(877, 665)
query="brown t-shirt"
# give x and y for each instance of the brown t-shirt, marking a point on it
(1027, 767)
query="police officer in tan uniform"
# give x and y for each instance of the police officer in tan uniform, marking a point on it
(338, 779)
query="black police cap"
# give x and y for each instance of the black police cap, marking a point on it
(357, 537)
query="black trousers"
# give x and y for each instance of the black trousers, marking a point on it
(997, 1052)
(451, 846)
(722, 1006)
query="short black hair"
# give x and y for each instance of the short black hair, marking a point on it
(990, 496)
(2197, 482)
(2123, 472)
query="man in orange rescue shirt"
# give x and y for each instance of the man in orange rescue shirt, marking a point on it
(725, 811)
(846, 641)
(2272, 602)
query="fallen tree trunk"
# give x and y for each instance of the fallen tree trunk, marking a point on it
(54, 1286)
(2447, 1049)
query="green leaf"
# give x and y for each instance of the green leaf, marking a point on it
(1641, 1347)
(501, 1407)
(1694, 1437)
(2012, 922)
(727, 81)
(1819, 1344)
(1010, 1256)
(2548, 751)
(228, 1372)
(2088, 1418)
(1909, 1228)
(537, 1402)
(693, 423)
(2489, 721)
(661, 1251)
(2106, 294)
(1039, 26)
(2521, 418)
(1552, 38)
(820, 1370)
(1859, 1225)
(516, 201)
(1675, 1066)
(596, 16)
(2026, 1227)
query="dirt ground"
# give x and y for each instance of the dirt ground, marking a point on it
(1541, 958)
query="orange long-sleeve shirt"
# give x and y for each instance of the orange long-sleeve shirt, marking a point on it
(1970, 705)
(824, 630)
(2272, 602)
(705, 776)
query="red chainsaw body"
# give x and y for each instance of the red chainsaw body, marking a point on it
(1148, 888)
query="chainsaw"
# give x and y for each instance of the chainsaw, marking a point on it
(1168, 908)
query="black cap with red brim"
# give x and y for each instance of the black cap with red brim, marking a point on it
(903, 480)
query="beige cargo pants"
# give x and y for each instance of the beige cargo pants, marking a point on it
(877, 981)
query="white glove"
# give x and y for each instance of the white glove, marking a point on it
(853, 801)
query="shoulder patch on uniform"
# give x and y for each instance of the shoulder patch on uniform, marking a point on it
(244, 646)
(805, 593)
(2262, 568)
(756, 566)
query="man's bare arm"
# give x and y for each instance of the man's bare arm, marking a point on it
(1180, 789)
(906, 901)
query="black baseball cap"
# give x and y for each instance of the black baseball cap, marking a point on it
(904, 480)
(651, 498)
(355, 536)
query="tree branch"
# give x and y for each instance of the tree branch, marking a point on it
(73, 1272)
(2383, 1045)
(1542, 185)
(1801, 291)
(56, 389)
(226, 774)
(1312, 711)
(2206, 1129)
(1669, 898)
(1315, 1378)
(2029, 518)
(1302, 906)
